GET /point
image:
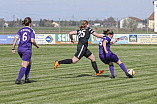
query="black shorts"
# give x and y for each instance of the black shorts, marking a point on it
(82, 51)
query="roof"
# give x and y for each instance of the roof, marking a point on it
(134, 18)
(151, 16)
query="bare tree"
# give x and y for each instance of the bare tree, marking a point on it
(130, 24)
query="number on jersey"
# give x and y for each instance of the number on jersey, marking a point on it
(24, 37)
(81, 33)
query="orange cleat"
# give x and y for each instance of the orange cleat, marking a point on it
(100, 71)
(56, 64)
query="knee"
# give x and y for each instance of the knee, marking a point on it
(30, 63)
(24, 66)
(92, 57)
(74, 61)
(119, 62)
(110, 64)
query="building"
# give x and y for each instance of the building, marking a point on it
(138, 21)
(6, 24)
(55, 24)
(151, 21)
(96, 24)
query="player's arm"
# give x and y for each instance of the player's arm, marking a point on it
(117, 39)
(33, 39)
(97, 35)
(14, 44)
(104, 45)
(34, 43)
(71, 37)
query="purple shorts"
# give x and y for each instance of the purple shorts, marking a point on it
(26, 56)
(110, 57)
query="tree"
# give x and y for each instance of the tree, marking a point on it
(41, 23)
(130, 24)
(47, 23)
(11, 24)
(109, 22)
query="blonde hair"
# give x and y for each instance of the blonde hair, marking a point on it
(84, 24)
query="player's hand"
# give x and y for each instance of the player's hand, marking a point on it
(13, 51)
(37, 46)
(106, 51)
(117, 39)
(72, 41)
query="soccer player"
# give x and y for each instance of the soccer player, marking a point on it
(107, 56)
(82, 50)
(27, 38)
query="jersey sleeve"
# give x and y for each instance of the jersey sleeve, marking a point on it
(77, 31)
(91, 31)
(18, 34)
(108, 39)
(33, 34)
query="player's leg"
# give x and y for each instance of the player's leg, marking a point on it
(114, 58)
(26, 57)
(105, 61)
(111, 67)
(66, 61)
(90, 56)
(78, 55)
(22, 71)
(93, 62)
(124, 68)
(27, 72)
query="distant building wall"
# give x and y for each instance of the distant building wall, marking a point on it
(139, 23)
(151, 24)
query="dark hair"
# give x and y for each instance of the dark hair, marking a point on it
(26, 21)
(83, 24)
(106, 32)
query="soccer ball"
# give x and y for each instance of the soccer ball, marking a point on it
(131, 72)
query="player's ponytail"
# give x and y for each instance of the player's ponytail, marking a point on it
(26, 21)
(106, 32)
(84, 24)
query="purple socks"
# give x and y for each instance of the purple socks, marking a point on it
(111, 67)
(123, 67)
(27, 71)
(21, 73)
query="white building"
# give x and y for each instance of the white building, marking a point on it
(6, 24)
(138, 21)
(55, 24)
(96, 24)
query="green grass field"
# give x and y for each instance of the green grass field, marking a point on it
(77, 83)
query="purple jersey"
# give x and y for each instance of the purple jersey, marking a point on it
(25, 34)
(101, 48)
(106, 58)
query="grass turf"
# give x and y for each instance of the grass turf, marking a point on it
(77, 83)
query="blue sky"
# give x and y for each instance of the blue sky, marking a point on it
(79, 9)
